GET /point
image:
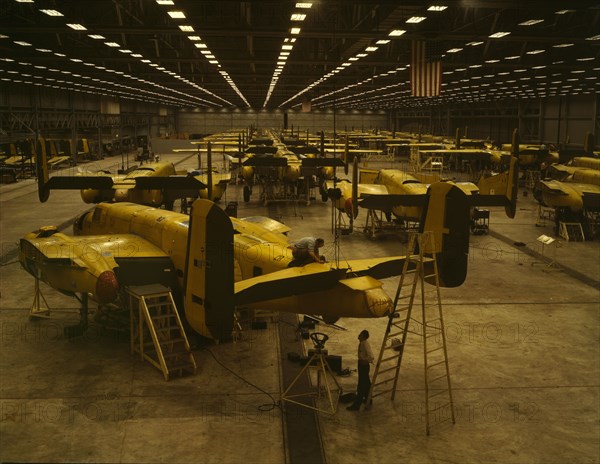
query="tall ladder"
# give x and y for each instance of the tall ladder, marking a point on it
(419, 266)
(157, 333)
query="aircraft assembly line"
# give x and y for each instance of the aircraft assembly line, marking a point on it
(521, 330)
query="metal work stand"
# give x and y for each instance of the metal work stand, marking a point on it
(318, 361)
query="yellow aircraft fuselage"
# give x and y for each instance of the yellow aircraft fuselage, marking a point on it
(257, 251)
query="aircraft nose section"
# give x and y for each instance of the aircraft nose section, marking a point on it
(107, 287)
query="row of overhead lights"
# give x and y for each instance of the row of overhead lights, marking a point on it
(586, 84)
(115, 45)
(199, 44)
(108, 70)
(471, 91)
(112, 88)
(393, 34)
(44, 81)
(288, 44)
(455, 50)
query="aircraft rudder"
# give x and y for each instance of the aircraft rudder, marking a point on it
(447, 215)
(41, 165)
(209, 273)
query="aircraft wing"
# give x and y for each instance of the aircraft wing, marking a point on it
(321, 162)
(287, 282)
(271, 161)
(90, 264)
(104, 182)
(378, 268)
(312, 278)
(169, 182)
(553, 186)
(80, 182)
(268, 223)
(90, 247)
(388, 202)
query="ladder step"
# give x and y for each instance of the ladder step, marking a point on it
(398, 347)
(441, 421)
(381, 382)
(387, 370)
(166, 342)
(395, 334)
(162, 317)
(181, 365)
(389, 358)
(438, 394)
(435, 364)
(439, 407)
(167, 329)
(176, 354)
(443, 376)
(157, 304)
(435, 349)
(381, 393)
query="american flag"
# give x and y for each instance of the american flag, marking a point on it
(425, 70)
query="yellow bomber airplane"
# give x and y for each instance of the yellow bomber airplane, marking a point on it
(152, 184)
(399, 193)
(574, 193)
(214, 264)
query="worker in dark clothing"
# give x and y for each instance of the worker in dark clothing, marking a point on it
(365, 358)
(306, 250)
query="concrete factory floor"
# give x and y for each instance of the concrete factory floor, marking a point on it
(523, 346)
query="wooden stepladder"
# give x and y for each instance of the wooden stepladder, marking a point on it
(420, 268)
(157, 333)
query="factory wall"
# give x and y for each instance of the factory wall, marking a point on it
(212, 121)
(552, 120)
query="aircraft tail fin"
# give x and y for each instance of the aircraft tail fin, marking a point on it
(447, 215)
(41, 165)
(588, 143)
(209, 278)
(500, 189)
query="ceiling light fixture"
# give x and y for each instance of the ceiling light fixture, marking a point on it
(176, 14)
(531, 22)
(498, 35)
(52, 12)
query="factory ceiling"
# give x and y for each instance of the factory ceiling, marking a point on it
(280, 54)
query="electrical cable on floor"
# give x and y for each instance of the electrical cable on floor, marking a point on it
(9, 263)
(263, 407)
